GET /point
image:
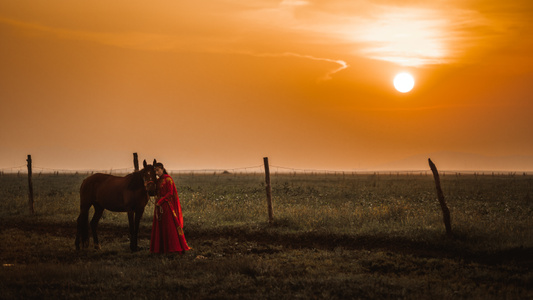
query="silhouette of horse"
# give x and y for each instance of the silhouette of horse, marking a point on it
(119, 194)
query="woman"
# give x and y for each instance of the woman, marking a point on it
(167, 226)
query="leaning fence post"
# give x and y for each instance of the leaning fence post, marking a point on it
(30, 186)
(268, 190)
(440, 195)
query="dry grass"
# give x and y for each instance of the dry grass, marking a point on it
(333, 237)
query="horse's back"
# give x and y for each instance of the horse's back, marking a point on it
(105, 190)
(91, 183)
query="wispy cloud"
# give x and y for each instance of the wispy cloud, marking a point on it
(407, 37)
(411, 34)
(328, 76)
(134, 40)
(294, 3)
(161, 42)
(439, 108)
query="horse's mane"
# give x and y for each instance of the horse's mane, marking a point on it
(135, 180)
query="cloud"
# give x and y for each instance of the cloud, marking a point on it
(294, 3)
(412, 34)
(328, 76)
(146, 41)
(162, 42)
(135, 40)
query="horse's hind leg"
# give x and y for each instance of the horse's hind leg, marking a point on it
(98, 211)
(133, 235)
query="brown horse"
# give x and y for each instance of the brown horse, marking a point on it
(119, 194)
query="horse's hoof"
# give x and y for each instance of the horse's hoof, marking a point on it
(136, 249)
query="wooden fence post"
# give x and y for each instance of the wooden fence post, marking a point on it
(135, 161)
(30, 186)
(440, 195)
(268, 190)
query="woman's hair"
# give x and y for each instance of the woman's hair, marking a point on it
(160, 165)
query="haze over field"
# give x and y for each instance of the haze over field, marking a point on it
(307, 83)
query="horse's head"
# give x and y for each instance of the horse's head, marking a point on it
(149, 179)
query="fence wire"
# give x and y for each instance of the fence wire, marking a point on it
(274, 169)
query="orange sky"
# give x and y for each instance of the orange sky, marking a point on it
(221, 84)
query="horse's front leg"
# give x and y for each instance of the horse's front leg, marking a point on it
(98, 211)
(138, 216)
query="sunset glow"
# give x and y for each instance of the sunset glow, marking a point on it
(226, 83)
(407, 38)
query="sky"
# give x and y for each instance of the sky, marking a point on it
(221, 84)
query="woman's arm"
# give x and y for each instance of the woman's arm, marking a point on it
(167, 192)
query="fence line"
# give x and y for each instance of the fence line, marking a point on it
(257, 168)
(22, 169)
(45, 170)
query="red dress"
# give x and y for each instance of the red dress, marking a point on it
(167, 226)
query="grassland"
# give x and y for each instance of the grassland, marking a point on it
(333, 237)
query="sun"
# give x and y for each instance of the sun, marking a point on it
(404, 82)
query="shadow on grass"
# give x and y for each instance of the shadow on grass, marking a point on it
(281, 234)
(438, 246)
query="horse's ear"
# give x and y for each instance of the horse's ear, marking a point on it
(144, 163)
(155, 161)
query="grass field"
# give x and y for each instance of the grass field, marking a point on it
(333, 237)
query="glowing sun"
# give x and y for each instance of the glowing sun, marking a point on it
(404, 82)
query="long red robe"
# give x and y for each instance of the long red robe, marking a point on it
(167, 226)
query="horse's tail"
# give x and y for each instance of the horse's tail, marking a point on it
(83, 219)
